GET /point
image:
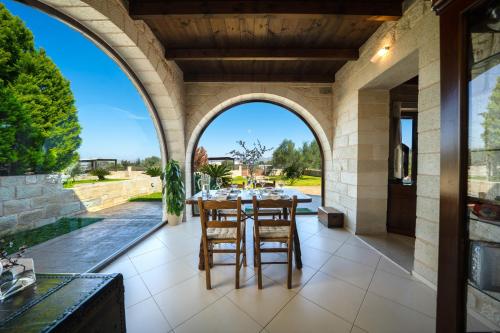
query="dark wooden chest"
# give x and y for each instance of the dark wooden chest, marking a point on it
(330, 217)
(67, 303)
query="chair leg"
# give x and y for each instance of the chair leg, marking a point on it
(207, 264)
(259, 266)
(289, 264)
(237, 280)
(244, 248)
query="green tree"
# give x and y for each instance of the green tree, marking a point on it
(285, 154)
(37, 104)
(153, 161)
(311, 155)
(491, 134)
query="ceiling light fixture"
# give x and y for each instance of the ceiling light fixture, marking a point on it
(380, 54)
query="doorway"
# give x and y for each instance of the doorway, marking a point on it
(403, 159)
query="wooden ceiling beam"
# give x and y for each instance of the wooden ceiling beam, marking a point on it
(384, 10)
(262, 54)
(311, 78)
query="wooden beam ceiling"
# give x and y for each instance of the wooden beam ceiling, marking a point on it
(383, 10)
(311, 78)
(262, 54)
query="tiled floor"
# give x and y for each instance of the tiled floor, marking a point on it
(344, 286)
(400, 249)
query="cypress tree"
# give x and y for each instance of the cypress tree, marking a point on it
(38, 118)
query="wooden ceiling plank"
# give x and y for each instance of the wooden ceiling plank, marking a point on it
(311, 78)
(262, 54)
(383, 9)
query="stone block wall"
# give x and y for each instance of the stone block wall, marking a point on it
(27, 202)
(312, 101)
(361, 123)
(95, 197)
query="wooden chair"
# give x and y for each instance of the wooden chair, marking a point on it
(280, 231)
(220, 232)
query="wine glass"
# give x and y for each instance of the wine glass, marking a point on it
(218, 181)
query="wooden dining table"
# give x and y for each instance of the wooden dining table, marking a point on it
(246, 196)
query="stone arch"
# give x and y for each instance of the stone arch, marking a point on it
(133, 46)
(213, 109)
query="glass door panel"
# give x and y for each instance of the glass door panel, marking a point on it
(483, 182)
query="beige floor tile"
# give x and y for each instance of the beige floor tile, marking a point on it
(135, 291)
(363, 256)
(261, 304)
(389, 267)
(355, 241)
(411, 293)
(350, 271)
(152, 259)
(338, 234)
(279, 274)
(380, 315)
(223, 277)
(149, 244)
(220, 317)
(167, 275)
(335, 295)
(323, 243)
(186, 299)
(183, 247)
(123, 266)
(313, 257)
(146, 317)
(356, 329)
(301, 315)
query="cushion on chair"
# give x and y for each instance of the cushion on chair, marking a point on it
(223, 233)
(274, 232)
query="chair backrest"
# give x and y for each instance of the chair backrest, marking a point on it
(291, 205)
(207, 206)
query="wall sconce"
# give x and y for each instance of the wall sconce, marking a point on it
(380, 54)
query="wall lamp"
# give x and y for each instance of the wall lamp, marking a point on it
(380, 54)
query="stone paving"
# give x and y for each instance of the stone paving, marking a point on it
(81, 250)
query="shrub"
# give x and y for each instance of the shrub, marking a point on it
(216, 171)
(153, 171)
(100, 173)
(292, 173)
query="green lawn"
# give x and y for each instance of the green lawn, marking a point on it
(70, 184)
(303, 181)
(148, 197)
(47, 232)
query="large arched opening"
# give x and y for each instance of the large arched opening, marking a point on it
(43, 201)
(305, 116)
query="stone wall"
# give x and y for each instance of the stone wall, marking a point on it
(361, 120)
(95, 197)
(27, 202)
(312, 101)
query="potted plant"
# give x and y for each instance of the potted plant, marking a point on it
(173, 188)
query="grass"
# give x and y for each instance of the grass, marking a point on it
(302, 181)
(47, 232)
(70, 184)
(148, 197)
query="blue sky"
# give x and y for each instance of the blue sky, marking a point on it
(250, 122)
